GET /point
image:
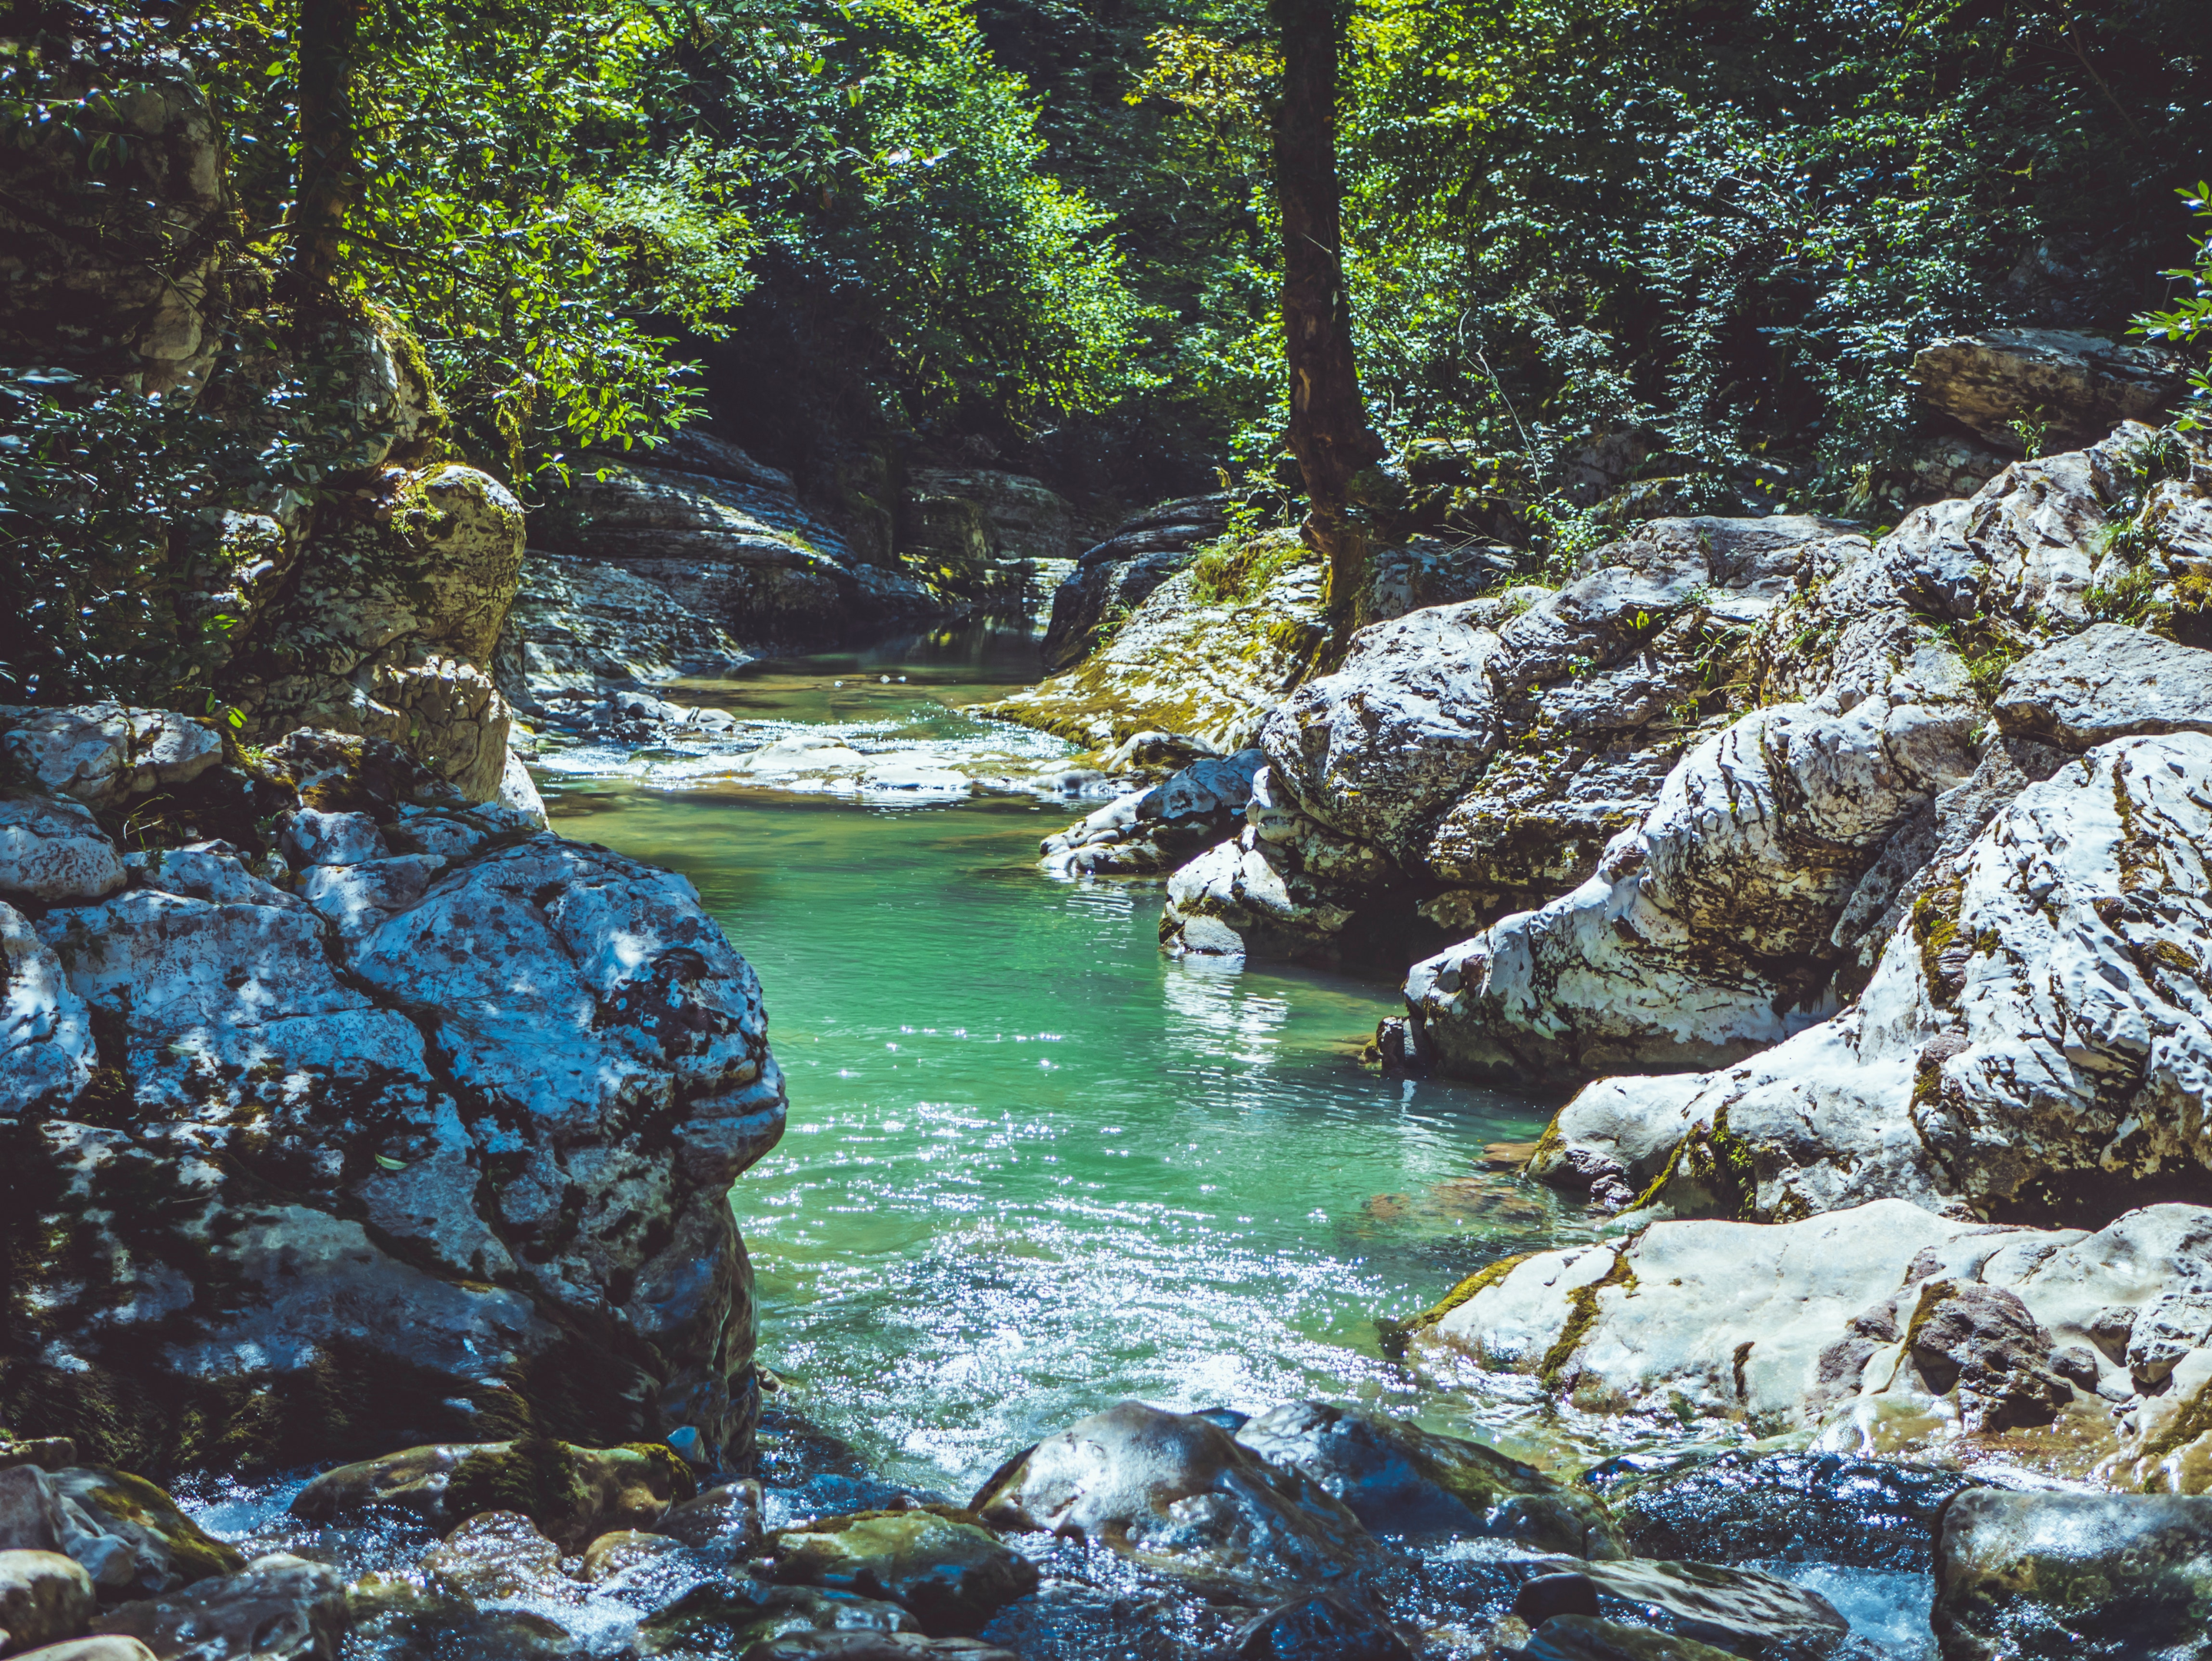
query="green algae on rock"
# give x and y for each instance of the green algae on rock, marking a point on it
(573, 1494)
(952, 1575)
(1208, 669)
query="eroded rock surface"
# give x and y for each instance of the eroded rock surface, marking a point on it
(1884, 1327)
(2076, 386)
(1748, 902)
(429, 1135)
(2035, 1035)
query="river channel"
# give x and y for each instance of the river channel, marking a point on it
(1034, 1166)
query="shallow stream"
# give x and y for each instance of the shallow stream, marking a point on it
(1033, 1166)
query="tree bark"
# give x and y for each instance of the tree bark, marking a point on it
(1328, 431)
(327, 180)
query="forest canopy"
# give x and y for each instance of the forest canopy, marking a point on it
(1715, 231)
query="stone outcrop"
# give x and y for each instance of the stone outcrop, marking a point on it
(1882, 1328)
(1113, 577)
(1473, 757)
(403, 590)
(986, 530)
(577, 623)
(1761, 886)
(1209, 669)
(2034, 1040)
(683, 556)
(2077, 386)
(385, 1120)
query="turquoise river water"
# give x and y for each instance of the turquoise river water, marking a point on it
(1033, 1166)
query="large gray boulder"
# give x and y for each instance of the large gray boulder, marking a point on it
(1379, 749)
(431, 1141)
(103, 753)
(2078, 386)
(1882, 1328)
(1679, 952)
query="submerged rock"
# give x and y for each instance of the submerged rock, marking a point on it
(2106, 1576)
(1747, 1612)
(1741, 1506)
(1320, 1627)
(1586, 1638)
(728, 1617)
(1399, 1479)
(953, 1576)
(1177, 1493)
(499, 1554)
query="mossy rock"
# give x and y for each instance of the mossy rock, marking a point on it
(573, 1493)
(952, 1575)
(170, 1548)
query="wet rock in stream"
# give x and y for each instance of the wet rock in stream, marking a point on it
(1176, 1491)
(2100, 1577)
(1399, 1479)
(1741, 1506)
(952, 1576)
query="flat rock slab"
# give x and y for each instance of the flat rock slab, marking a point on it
(2107, 682)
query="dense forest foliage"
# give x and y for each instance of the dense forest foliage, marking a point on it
(1047, 227)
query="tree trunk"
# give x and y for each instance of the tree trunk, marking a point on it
(1328, 433)
(327, 180)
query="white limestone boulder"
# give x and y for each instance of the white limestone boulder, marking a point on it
(2037, 1034)
(1881, 1328)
